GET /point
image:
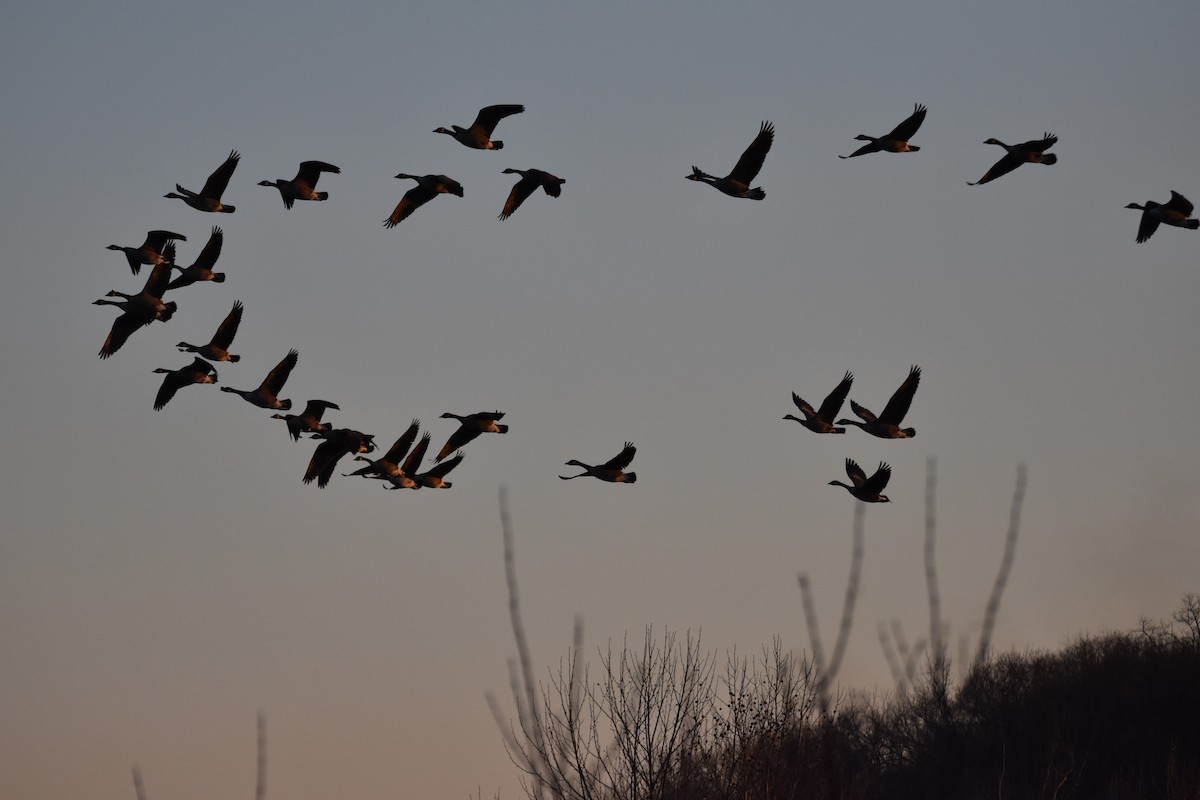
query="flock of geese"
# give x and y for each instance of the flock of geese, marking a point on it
(401, 466)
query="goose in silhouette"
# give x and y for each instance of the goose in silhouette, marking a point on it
(478, 136)
(151, 250)
(308, 420)
(1031, 152)
(866, 489)
(427, 188)
(266, 395)
(471, 426)
(1175, 211)
(304, 185)
(434, 478)
(405, 479)
(209, 198)
(201, 270)
(897, 140)
(737, 183)
(388, 466)
(337, 443)
(199, 371)
(887, 424)
(134, 316)
(822, 421)
(531, 179)
(217, 348)
(150, 298)
(612, 470)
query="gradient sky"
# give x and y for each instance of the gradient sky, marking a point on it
(166, 575)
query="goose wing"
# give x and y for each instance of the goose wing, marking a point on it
(172, 382)
(1179, 204)
(159, 280)
(878, 482)
(805, 408)
(228, 327)
(466, 432)
(855, 473)
(324, 459)
(275, 379)
(315, 408)
(122, 328)
(400, 448)
(157, 240)
(897, 407)
(489, 116)
(864, 413)
(212, 249)
(905, 130)
(441, 469)
(1047, 141)
(1002, 167)
(216, 183)
(622, 459)
(552, 184)
(751, 161)
(413, 199)
(833, 403)
(415, 456)
(1148, 224)
(311, 170)
(520, 190)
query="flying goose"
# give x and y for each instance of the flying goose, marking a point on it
(217, 348)
(303, 186)
(897, 140)
(201, 269)
(388, 466)
(266, 395)
(1175, 211)
(1031, 152)
(308, 420)
(434, 478)
(612, 470)
(531, 179)
(150, 252)
(471, 426)
(822, 421)
(478, 136)
(427, 188)
(406, 478)
(338, 442)
(887, 424)
(864, 488)
(737, 183)
(199, 371)
(209, 198)
(134, 316)
(150, 298)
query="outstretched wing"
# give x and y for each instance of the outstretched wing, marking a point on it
(855, 473)
(400, 448)
(212, 249)
(864, 413)
(277, 377)
(622, 459)
(216, 183)
(520, 190)
(751, 161)
(311, 170)
(228, 327)
(1178, 204)
(1002, 167)
(416, 456)
(488, 117)
(877, 482)
(1047, 141)
(897, 407)
(833, 403)
(905, 130)
(466, 432)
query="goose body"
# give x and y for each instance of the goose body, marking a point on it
(427, 188)
(737, 183)
(612, 470)
(149, 300)
(531, 179)
(868, 490)
(267, 393)
(209, 198)
(308, 420)
(1031, 152)
(201, 269)
(897, 140)
(304, 185)
(150, 252)
(471, 426)
(217, 348)
(479, 135)
(337, 443)
(435, 477)
(821, 421)
(199, 371)
(887, 424)
(1176, 211)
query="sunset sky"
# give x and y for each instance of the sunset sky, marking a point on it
(164, 576)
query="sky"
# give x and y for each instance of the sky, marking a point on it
(165, 576)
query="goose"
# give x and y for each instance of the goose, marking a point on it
(1175, 211)
(612, 470)
(1032, 152)
(217, 348)
(150, 252)
(737, 183)
(338, 442)
(408, 470)
(199, 371)
(201, 270)
(308, 420)
(531, 179)
(427, 188)
(150, 298)
(209, 198)
(478, 136)
(897, 140)
(471, 426)
(303, 186)
(887, 424)
(134, 316)
(266, 395)
(822, 421)
(864, 488)
(435, 477)
(389, 465)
